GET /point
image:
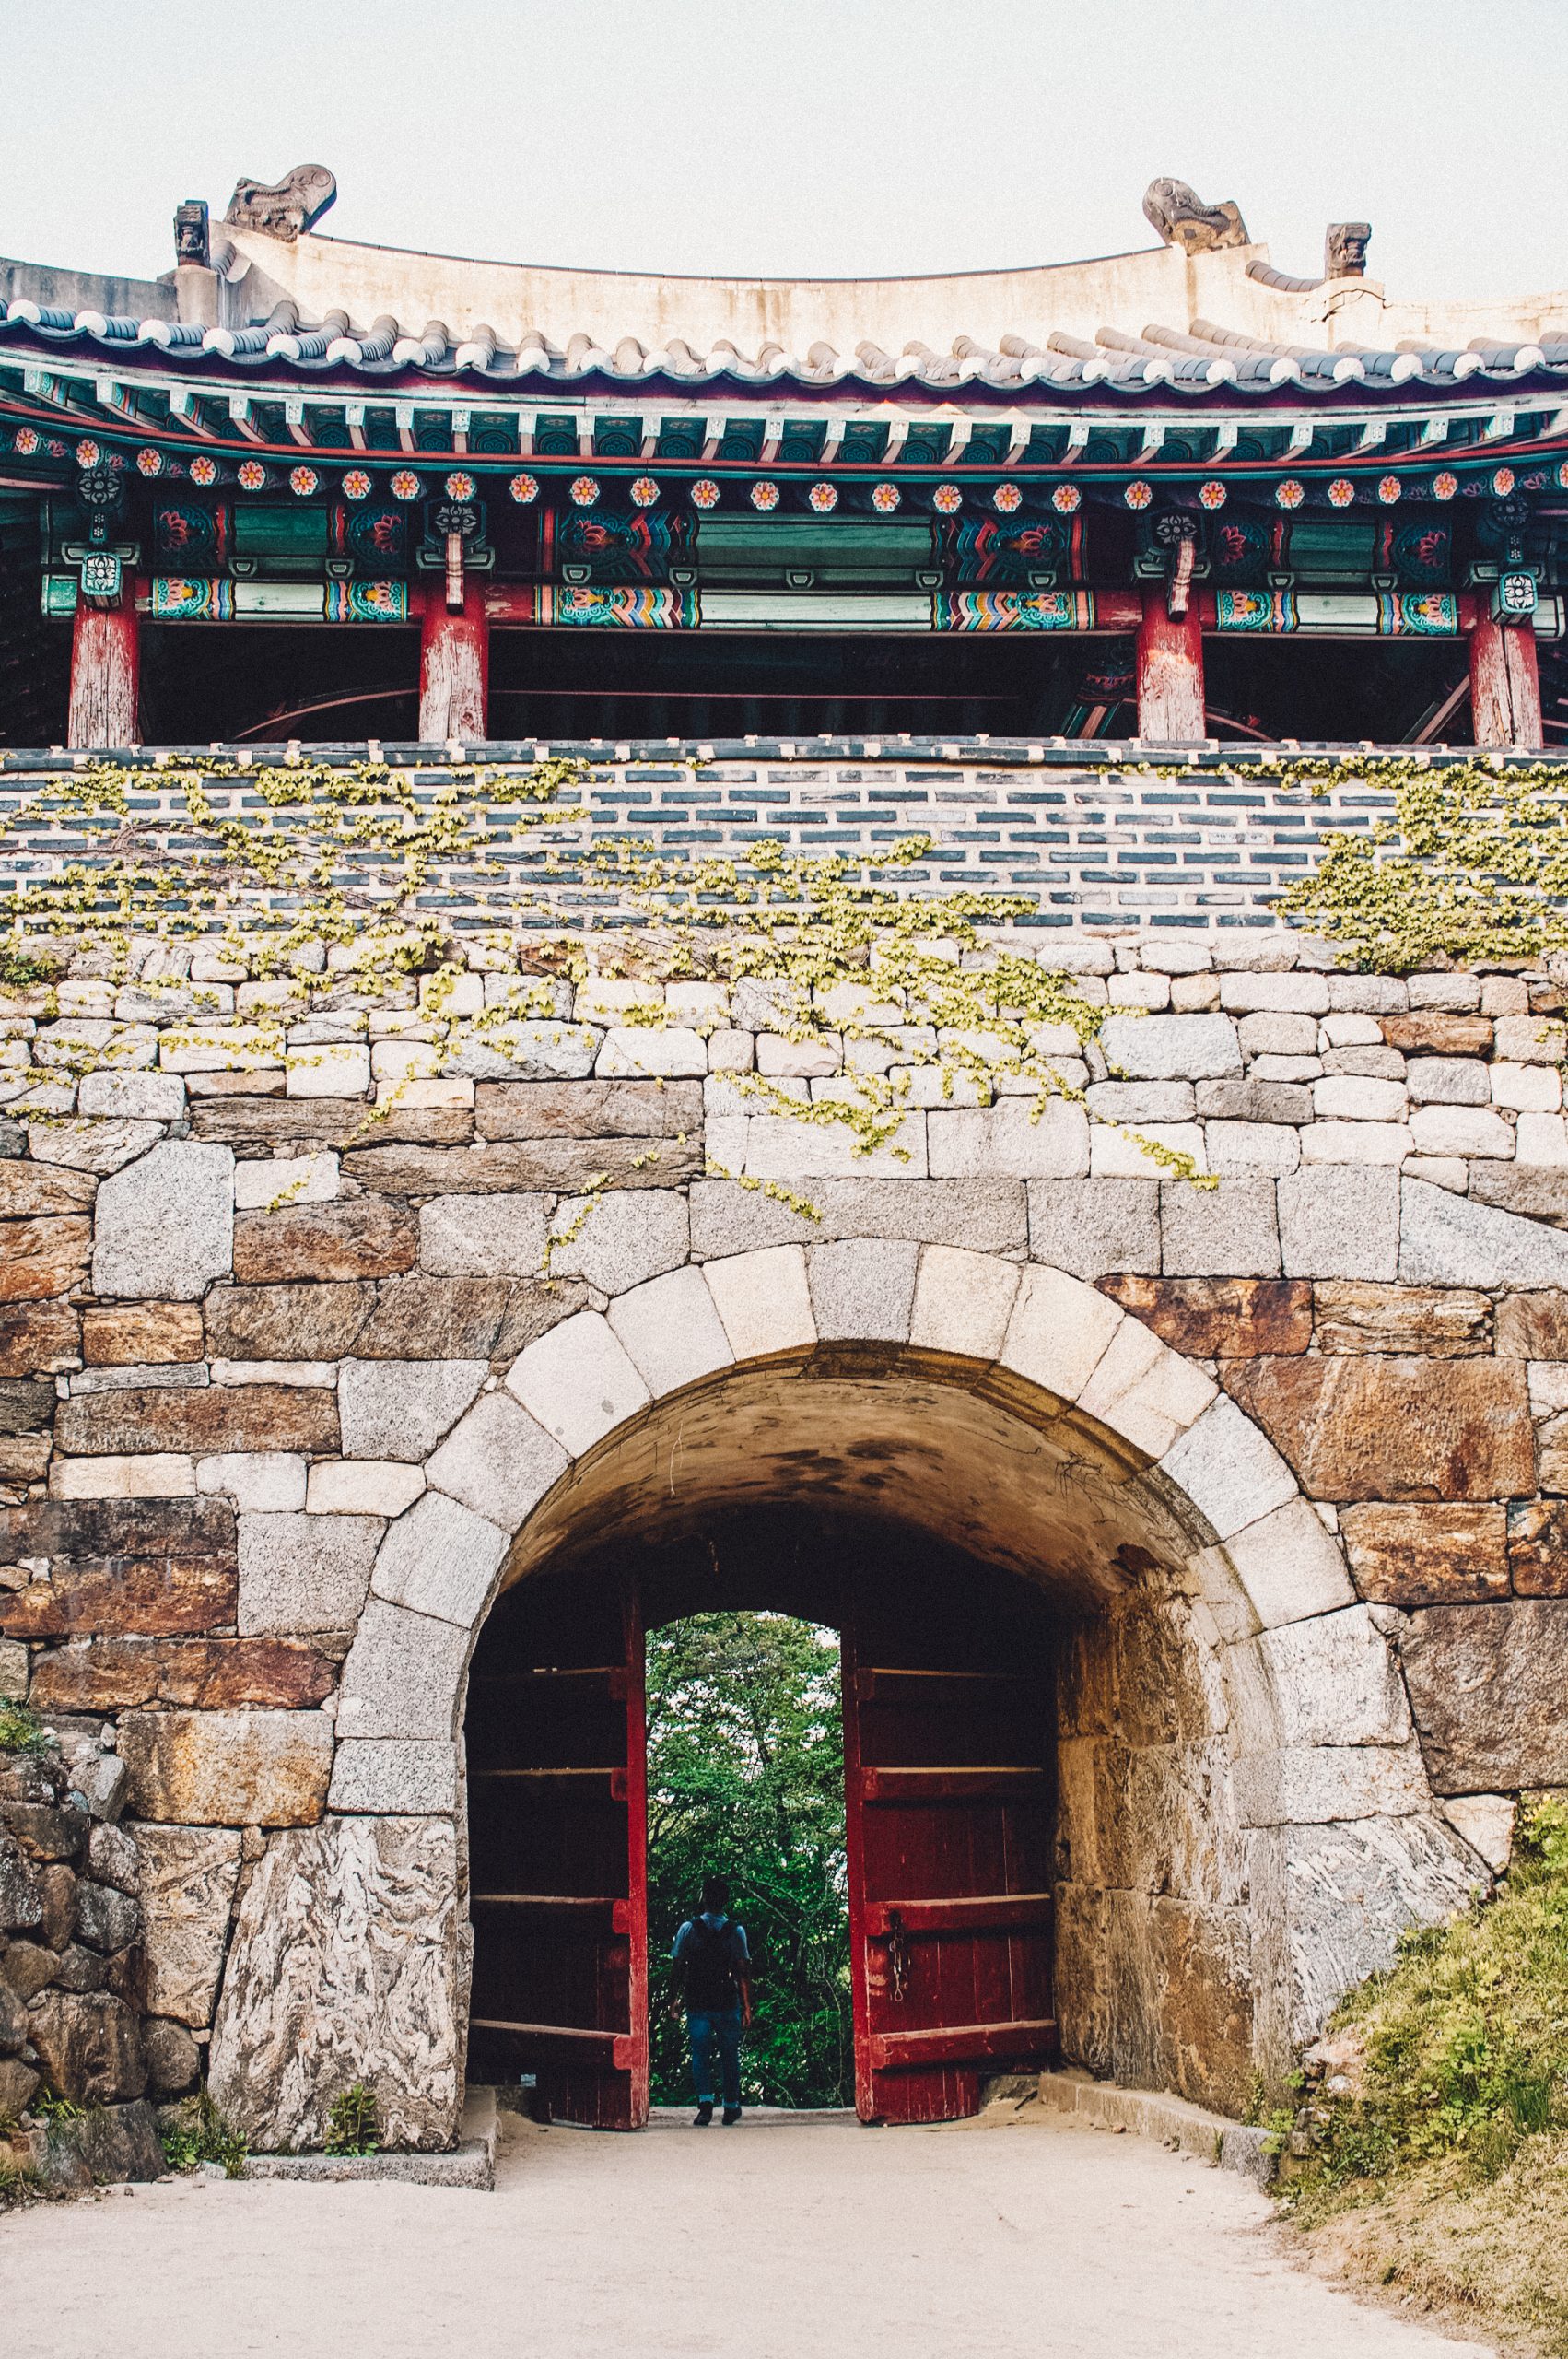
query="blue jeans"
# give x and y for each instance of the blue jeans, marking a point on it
(722, 2027)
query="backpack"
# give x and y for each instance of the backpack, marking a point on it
(712, 1985)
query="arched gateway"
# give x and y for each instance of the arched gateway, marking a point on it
(313, 1063)
(1227, 1716)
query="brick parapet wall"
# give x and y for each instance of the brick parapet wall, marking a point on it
(1123, 838)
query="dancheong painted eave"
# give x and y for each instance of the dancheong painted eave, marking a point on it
(1193, 353)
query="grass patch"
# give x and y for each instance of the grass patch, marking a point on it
(1432, 2158)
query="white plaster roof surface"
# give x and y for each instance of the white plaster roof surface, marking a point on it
(1199, 323)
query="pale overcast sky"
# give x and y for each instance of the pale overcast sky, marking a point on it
(804, 138)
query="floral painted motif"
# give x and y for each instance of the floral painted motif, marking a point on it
(27, 441)
(459, 485)
(705, 492)
(251, 475)
(303, 481)
(405, 485)
(885, 498)
(1388, 489)
(1138, 495)
(88, 453)
(1342, 491)
(824, 498)
(645, 491)
(584, 490)
(1562, 469)
(357, 484)
(947, 499)
(1211, 495)
(1290, 494)
(764, 495)
(204, 471)
(1007, 499)
(1444, 485)
(150, 462)
(524, 490)
(1503, 482)
(1066, 499)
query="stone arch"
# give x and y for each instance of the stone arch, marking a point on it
(1047, 1430)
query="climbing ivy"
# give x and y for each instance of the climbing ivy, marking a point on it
(1470, 866)
(333, 882)
(334, 879)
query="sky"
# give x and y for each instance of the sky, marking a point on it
(803, 138)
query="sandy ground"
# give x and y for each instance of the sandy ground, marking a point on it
(782, 2238)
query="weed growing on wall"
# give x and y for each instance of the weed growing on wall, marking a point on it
(354, 2121)
(196, 2131)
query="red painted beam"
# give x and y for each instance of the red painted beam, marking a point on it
(454, 668)
(1504, 685)
(105, 672)
(1170, 671)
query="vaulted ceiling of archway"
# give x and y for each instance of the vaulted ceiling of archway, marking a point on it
(989, 1464)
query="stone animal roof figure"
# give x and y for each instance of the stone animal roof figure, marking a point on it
(287, 208)
(1344, 249)
(1183, 219)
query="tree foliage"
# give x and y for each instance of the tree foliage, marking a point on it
(745, 1779)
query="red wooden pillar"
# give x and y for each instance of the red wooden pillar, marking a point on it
(1505, 684)
(105, 669)
(454, 667)
(1170, 671)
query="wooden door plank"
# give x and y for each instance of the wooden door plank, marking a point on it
(621, 2044)
(962, 2044)
(634, 1787)
(612, 1781)
(612, 1915)
(1002, 1782)
(982, 1912)
(886, 1685)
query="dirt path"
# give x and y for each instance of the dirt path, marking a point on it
(782, 2239)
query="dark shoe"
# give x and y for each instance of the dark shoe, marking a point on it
(731, 2115)
(704, 2114)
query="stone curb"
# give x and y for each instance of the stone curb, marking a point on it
(472, 2162)
(469, 2165)
(1232, 2146)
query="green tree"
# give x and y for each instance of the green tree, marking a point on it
(745, 1779)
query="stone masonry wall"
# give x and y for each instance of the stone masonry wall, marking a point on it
(252, 1348)
(80, 2019)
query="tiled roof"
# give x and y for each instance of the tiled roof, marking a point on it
(1198, 357)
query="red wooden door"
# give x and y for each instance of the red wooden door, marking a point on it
(557, 1834)
(947, 1790)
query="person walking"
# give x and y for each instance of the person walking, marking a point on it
(713, 1983)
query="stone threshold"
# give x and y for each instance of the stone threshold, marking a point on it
(1149, 2113)
(470, 2164)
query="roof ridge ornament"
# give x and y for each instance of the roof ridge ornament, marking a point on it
(287, 207)
(1183, 219)
(1344, 249)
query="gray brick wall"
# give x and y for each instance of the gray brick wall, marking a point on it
(1094, 838)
